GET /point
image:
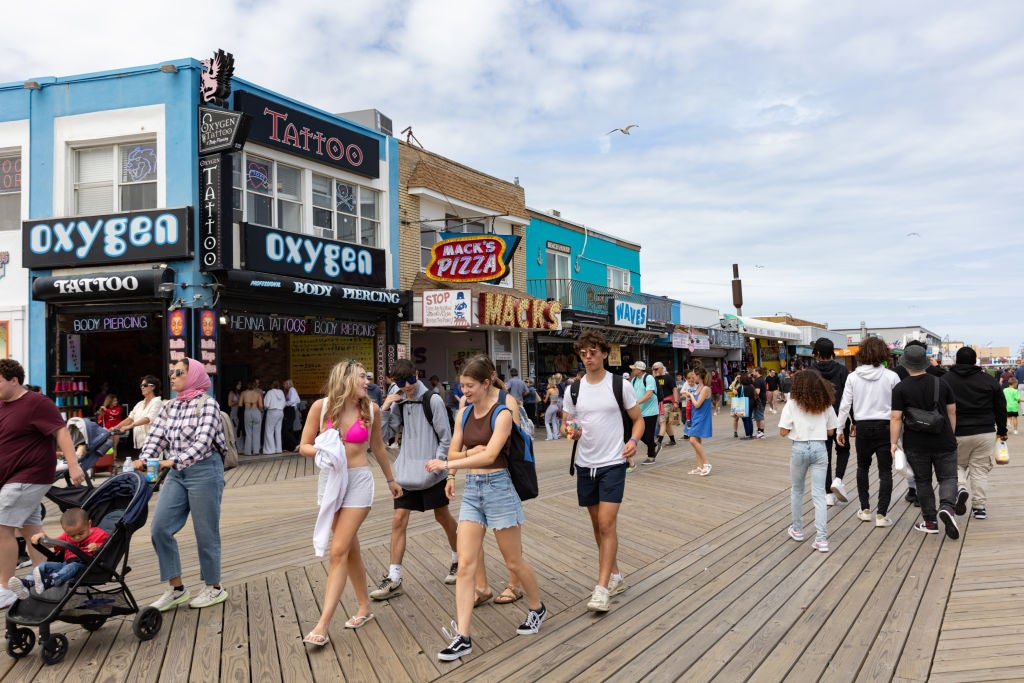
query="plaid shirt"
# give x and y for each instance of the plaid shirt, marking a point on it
(188, 431)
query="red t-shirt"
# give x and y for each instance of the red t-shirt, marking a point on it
(110, 417)
(96, 535)
(28, 453)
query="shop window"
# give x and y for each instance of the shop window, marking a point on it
(10, 192)
(115, 178)
(619, 279)
(559, 277)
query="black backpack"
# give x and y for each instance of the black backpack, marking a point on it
(618, 385)
(428, 412)
(522, 468)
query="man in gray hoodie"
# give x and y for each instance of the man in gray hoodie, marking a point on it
(423, 439)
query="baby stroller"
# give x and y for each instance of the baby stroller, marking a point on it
(119, 506)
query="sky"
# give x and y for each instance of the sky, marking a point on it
(858, 161)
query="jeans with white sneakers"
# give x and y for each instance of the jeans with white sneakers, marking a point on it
(809, 455)
(197, 490)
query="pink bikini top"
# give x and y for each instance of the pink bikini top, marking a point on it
(357, 432)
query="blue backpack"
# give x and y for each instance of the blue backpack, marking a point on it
(522, 467)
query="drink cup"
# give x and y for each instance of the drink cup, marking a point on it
(152, 469)
(574, 430)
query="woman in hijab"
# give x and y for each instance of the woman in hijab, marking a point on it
(188, 431)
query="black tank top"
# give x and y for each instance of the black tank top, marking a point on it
(477, 432)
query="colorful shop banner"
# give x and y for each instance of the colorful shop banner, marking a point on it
(305, 256)
(311, 359)
(285, 324)
(525, 313)
(295, 132)
(446, 307)
(127, 237)
(112, 322)
(459, 257)
(628, 314)
(209, 346)
(177, 335)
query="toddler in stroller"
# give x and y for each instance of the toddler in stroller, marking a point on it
(98, 591)
(78, 530)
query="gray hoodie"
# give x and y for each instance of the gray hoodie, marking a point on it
(868, 394)
(421, 441)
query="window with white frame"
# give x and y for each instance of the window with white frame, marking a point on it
(429, 233)
(619, 279)
(10, 191)
(558, 275)
(270, 194)
(120, 177)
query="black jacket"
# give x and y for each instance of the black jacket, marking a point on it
(835, 373)
(980, 404)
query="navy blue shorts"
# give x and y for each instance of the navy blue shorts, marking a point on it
(600, 485)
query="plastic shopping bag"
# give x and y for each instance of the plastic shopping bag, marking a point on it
(739, 406)
(901, 465)
(1002, 453)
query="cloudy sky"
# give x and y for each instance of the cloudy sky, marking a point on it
(859, 161)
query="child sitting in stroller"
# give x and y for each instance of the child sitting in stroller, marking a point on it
(79, 531)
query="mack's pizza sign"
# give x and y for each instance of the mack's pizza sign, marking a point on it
(471, 258)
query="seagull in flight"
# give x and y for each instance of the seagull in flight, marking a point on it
(624, 131)
(913, 234)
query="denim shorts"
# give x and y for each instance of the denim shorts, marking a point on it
(491, 500)
(757, 412)
(600, 484)
(19, 504)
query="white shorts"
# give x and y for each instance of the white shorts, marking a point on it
(359, 493)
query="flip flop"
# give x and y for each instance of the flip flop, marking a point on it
(509, 595)
(706, 470)
(316, 639)
(481, 598)
(358, 622)
(699, 470)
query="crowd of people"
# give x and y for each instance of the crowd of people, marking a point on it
(943, 424)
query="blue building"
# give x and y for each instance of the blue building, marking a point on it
(151, 228)
(596, 278)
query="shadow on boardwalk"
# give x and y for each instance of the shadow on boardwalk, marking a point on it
(717, 590)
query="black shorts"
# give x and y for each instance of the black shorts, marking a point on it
(606, 484)
(421, 501)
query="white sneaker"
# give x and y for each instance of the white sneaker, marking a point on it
(19, 589)
(830, 500)
(882, 520)
(839, 491)
(616, 586)
(8, 598)
(600, 601)
(865, 515)
(172, 598)
(209, 596)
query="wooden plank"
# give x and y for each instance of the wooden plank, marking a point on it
(208, 641)
(290, 648)
(91, 659)
(355, 665)
(322, 663)
(150, 654)
(234, 653)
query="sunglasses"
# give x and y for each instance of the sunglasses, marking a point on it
(587, 353)
(177, 372)
(145, 385)
(401, 383)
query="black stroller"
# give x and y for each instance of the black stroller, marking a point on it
(119, 506)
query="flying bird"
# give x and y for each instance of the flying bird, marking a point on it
(756, 265)
(624, 131)
(913, 234)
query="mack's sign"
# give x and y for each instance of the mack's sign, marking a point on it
(528, 314)
(471, 258)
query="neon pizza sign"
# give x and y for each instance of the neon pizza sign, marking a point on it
(471, 258)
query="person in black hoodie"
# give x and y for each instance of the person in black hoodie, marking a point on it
(933, 369)
(980, 410)
(824, 362)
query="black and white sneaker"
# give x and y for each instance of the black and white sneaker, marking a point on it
(949, 520)
(459, 646)
(534, 618)
(453, 573)
(386, 589)
(962, 496)
(980, 513)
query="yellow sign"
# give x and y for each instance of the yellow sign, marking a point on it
(312, 358)
(528, 314)
(615, 355)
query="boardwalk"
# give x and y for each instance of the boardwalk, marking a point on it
(717, 591)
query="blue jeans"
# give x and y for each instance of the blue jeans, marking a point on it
(196, 489)
(56, 573)
(809, 455)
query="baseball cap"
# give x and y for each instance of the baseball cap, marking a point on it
(639, 365)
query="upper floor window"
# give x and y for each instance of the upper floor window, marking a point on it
(345, 211)
(10, 191)
(429, 234)
(271, 192)
(558, 274)
(619, 279)
(115, 178)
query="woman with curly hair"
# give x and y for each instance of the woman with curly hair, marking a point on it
(808, 418)
(339, 430)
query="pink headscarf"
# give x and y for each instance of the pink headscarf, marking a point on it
(196, 381)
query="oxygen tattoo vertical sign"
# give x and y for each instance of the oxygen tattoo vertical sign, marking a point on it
(215, 252)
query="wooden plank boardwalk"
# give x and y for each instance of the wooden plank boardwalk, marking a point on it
(717, 591)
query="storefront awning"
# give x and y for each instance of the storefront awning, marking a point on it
(764, 328)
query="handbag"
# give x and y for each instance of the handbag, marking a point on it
(739, 406)
(926, 421)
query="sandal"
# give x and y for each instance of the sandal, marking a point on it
(509, 595)
(357, 621)
(482, 597)
(316, 639)
(706, 470)
(697, 470)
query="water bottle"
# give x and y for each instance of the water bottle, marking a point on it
(127, 467)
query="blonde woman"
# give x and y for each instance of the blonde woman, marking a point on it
(551, 423)
(355, 421)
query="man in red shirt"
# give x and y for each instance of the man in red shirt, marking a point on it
(29, 425)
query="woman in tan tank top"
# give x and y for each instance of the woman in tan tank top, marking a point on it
(489, 500)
